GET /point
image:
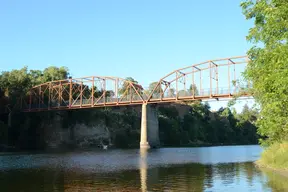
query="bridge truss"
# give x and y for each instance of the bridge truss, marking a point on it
(211, 79)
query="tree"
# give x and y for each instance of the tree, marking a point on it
(193, 90)
(158, 90)
(171, 92)
(15, 82)
(268, 66)
(183, 93)
(125, 85)
(55, 73)
(36, 77)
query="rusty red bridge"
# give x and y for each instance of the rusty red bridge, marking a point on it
(213, 79)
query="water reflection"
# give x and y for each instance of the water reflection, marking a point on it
(275, 181)
(143, 169)
(138, 170)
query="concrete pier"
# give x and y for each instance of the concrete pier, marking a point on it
(144, 139)
(149, 127)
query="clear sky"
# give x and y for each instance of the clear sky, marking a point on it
(142, 39)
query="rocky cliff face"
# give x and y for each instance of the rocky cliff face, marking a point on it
(83, 128)
(78, 135)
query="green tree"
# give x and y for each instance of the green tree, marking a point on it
(268, 66)
(171, 93)
(183, 93)
(157, 92)
(126, 91)
(55, 73)
(193, 90)
(36, 77)
(15, 82)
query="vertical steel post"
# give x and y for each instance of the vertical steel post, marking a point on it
(104, 87)
(201, 82)
(131, 92)
(92, 92)
(217, 80)
(176, 85)
(234, 78)
(185, 84)
(70, 93)
(81, 93)
(49, 96)
(229, 63)
(161, 92)
(59, 94)
(210, 78)
(193, 87)
(116, 88)
(39, 98)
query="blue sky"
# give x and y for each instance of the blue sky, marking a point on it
(142, 39)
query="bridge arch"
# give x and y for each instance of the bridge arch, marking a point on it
(212, 78)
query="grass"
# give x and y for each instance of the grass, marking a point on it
(275, 157)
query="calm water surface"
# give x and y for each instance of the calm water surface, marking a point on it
(167, 169)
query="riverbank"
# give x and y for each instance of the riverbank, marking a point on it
(275, 158)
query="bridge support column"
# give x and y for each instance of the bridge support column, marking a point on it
(144, 139)
(149, 127)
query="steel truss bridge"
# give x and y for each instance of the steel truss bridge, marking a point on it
(213, 79)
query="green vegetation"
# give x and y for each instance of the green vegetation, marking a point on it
(275, 156)
(199, 126)
(14, 84)
(268, 72)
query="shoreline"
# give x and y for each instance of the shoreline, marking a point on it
(282, 172)
(65, 149)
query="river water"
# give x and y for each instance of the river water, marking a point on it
(225, 168)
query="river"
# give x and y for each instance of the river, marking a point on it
(225, 168)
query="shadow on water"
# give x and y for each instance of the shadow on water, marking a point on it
(135, 170)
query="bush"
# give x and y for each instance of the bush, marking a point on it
(275, 156)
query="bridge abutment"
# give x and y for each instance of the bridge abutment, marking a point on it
(149, 127)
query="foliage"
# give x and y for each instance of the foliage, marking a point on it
(17, 82)
(157, 92)
(275, 156)
(125, 85)
(199, 126)
(268, 68)
(171, 92)
(193, 90)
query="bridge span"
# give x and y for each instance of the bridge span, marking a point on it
(212, 79)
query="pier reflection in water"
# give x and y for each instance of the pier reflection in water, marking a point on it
(134, 170)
